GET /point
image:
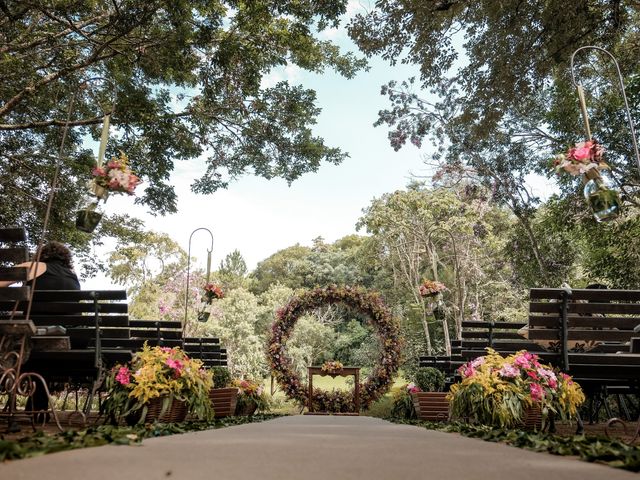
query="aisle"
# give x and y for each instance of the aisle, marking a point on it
(308, 448)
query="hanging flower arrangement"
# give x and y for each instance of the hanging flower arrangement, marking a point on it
(113, 176)
(430, 288)
(116, 176)
(581, 159)
(586, 158)
(212, 292)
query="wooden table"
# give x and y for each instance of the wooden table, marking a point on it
(344, 372)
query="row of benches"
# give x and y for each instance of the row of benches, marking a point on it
(97, 332)
(596, 335)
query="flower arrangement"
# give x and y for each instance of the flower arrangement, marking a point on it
(357, 299)
(334, 401)
(212, 292)
(496, 391)
(251, 397)
(332, 367)
(116, 176)
(581, 159)
(403, 401)
(158, 372)
(430, 288)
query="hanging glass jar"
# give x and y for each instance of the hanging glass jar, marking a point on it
(91, 209)
(605, 202)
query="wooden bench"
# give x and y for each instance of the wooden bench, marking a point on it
(152, 332)
(605, 321)
(206, 349)
(92, 319)
(13, 251)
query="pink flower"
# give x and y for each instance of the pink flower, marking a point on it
(566, 378)
(166, 349)
(533, 375)
(521, 361)
(549, 376)
(99, 172)
(509, 371)
(123, 376)
(177, 365)
(581, 153)
(477, 362)
(413, 388)
(537, 392)
(467, 370)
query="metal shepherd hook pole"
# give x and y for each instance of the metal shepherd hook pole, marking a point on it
(186, 293)
(622, 91)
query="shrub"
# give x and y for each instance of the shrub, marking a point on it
(429, 379)
(221, 377)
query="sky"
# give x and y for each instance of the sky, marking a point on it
(258, 217)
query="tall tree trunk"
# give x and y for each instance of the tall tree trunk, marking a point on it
(425, 325)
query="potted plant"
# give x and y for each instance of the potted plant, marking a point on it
(251, 397)
(224, 395)
(403, 406)
(502, 391)
(429, 401)
(159, 384)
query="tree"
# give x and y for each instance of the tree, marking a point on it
(495, 93)
(187, 77)
(234, 321)
(511, 51)
(233, 271)
(454, 235)
(339, 263)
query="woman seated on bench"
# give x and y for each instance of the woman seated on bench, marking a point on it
(54, 271)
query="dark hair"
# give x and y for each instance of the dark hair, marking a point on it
(53, 251)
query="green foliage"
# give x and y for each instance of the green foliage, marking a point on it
(590, 448)
(188, 78)
(221, 377)
(403, 404)
(41, 443)
(322, 265)
(429, 379)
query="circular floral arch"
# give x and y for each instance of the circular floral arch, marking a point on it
(368, 303)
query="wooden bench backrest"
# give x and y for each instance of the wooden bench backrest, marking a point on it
(13, 250)
(206, 349)
(592, 315)
(152, 332)
(501, 336)
(78, 311)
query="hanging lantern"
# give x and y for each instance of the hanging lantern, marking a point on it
(604, 202)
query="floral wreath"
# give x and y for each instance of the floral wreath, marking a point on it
(358, 299)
